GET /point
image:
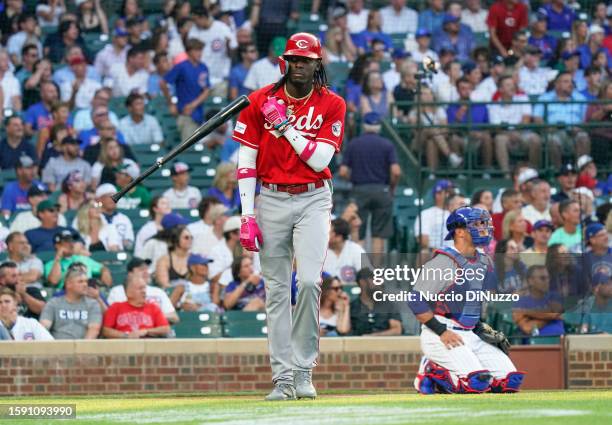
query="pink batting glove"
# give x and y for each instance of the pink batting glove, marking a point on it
(275, 113)
(250, 235)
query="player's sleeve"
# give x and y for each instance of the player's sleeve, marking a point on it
(332, 130)
(248, 128)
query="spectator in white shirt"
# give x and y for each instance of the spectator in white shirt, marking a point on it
(154, 294)
(26, 35)
(138, 127)
(11, 89)
(357, 16)
(512, 114)
(486, 89)
(214, 234)
(219, 44)
(181, 195)
(80, 92)
(83, 118)
(423, 40)
(397, 18)
(157, 210)
(131, 76)
(110, 216)
(445, 86)
(204, 224)
(222, 253)
(430, 229)
(539, 207)
(21, 328)
(474, 16)
(97, 235)
(391, 77)
(344, 256)
(533, 79)
(50, 11)
(266, 70)
(113, 53)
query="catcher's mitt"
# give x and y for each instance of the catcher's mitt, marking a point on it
(493, 337)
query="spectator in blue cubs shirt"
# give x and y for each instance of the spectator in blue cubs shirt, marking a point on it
(363, 40)
(15, 194)
(451, 37)
(599, 257)
(559, 16)
(14, 145)
(38, 115)
(191, 81)
(431, 18)
(540, 38)
(593, 47)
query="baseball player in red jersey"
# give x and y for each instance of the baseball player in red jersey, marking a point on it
(288, 136)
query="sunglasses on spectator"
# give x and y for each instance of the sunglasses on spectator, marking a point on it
(336, 288)
(78, 266)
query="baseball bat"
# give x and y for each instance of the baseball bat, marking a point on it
(219, 118)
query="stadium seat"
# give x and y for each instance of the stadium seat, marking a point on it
(117, 105)
(245, 329)
(198, 325)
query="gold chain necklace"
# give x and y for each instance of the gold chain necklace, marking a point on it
(305, 99)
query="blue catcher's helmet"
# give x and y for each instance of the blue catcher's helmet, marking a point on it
(476, 220)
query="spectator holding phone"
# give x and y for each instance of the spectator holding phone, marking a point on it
(334, 316)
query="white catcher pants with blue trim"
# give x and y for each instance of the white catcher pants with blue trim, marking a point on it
(473, 355)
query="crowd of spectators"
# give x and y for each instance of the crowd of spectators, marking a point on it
(84, 89)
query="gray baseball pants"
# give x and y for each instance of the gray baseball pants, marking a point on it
(293, 225)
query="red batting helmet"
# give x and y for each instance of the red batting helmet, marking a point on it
(301, 44)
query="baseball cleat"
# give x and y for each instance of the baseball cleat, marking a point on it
(282, 392)
(303, 384)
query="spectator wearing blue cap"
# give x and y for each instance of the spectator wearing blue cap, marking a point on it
(423, 40)
(430, 227)
(533, 78)
(536, 254)
(431, 18)
(391, 77)
(467, 113)
(197, 292)
(599, 257)
(540, 38)
(451, 37)
(397, 18)
(113, 53)
(370, 163)
(559, 16)
(474, 16)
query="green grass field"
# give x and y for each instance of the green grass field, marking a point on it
(560, 407)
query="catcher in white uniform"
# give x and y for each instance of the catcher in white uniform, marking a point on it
(461, 353)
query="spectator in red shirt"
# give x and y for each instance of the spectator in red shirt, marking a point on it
(506, 17)
(135, 318)
(510, 200)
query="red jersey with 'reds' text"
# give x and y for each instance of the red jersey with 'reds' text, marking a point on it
(319, 117)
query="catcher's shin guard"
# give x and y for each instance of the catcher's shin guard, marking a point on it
(441, 378)
(478, 381)
(510, 384)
